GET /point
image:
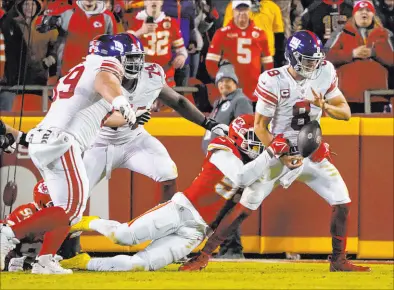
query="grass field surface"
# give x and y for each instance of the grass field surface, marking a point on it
(218, 275)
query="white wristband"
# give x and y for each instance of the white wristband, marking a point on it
(119, 101)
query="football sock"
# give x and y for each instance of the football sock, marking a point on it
(53, 240)
(339, 223)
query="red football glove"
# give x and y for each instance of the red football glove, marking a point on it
(279, 145)
(322, 152)
(196, 263)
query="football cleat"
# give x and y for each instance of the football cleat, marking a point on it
(7, 243)
(46, 264)
(83, 224)
(197, 263)
(80, 262)
(341, 264)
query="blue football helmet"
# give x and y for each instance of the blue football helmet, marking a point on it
(127, 48)
(304, 52)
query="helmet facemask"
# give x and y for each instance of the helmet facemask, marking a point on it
(133, 63)
(308, 66)
(251, 144)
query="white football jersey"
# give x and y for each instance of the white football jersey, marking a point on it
(285, 99)
(74, 94)
(148, 88)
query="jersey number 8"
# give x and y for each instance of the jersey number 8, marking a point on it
(300, 115)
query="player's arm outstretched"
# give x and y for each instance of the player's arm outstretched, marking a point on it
(187, 110)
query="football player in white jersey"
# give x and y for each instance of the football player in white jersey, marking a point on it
(57, 143)
(135, 149)
(290, 97)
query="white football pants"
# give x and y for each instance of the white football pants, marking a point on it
(175, 229)
(144, 154)
(323, 177)
(58, 157)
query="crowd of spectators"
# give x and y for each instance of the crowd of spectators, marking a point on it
(40, 40)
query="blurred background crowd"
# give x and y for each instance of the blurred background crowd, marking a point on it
(40, 40)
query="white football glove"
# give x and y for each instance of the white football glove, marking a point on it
(122, 105)
(16, 264)
(220, 130)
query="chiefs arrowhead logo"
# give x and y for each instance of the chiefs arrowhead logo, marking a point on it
(97, 24)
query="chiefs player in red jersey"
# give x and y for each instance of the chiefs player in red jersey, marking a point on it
(244, 45)
(160, 34)
(26, 251)
(181, 224)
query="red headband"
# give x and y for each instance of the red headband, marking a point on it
(363, 4)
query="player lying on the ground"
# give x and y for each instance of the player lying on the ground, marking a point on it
(181, 224)
(23, 256)
(290, 97)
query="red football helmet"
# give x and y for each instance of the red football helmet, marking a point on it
(241, 131)
(41, 195)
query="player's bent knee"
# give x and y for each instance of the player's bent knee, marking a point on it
(123, 235)
(166, 171)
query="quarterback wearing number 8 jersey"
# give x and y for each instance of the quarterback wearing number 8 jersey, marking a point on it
(289, 98)
(181, 224)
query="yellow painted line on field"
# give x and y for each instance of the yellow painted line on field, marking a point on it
(377, 126)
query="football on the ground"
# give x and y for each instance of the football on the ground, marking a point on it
(309, 138)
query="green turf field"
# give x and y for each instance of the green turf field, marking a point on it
(218, 275)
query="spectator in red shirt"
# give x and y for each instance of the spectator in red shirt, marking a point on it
(160, 34)
(244, 45)
(78, 25)
(362, 52)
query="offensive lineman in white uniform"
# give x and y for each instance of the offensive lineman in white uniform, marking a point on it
(57, 143)
(290, 97)
(136, 149)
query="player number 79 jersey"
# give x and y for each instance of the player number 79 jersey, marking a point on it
(287, 101)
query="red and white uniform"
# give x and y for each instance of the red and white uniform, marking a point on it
(135, 149)
(57, 143)
(246, 49)
(30, 246)
(79, 27)
(181, 224)
(158, 45)
(284, 100)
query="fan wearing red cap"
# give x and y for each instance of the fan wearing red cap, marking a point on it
(363, 13)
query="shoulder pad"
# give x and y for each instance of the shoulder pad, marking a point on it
(222, 143)
(153, 73)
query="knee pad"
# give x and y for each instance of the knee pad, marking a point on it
(165, 169)
(124, 235)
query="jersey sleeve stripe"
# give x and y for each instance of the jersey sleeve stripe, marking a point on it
(266, 91)
(267, 59)
(333, 85)
(112, 67)
(213, 56)
(265, 96)
(214, 146)
(178, 43)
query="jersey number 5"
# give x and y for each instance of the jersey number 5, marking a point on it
(244, 54)
(300, 115)
(66, 86)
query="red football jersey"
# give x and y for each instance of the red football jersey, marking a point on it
(158, 45)
(21, 213)
(211, 189)
(245, 49)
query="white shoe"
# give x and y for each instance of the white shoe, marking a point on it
(46, 264)
(7, 243)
